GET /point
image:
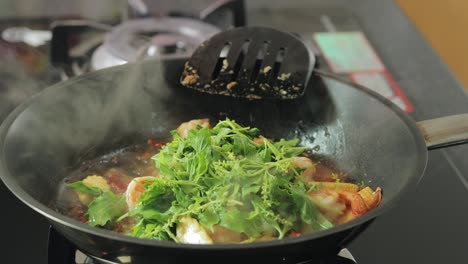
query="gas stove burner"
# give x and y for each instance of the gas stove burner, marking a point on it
(154, 38)
(343, 257)
(62, 251)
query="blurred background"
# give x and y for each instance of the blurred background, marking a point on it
(442, 23)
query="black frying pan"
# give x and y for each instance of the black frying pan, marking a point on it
(356, 130)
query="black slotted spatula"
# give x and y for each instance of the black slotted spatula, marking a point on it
(250, 62)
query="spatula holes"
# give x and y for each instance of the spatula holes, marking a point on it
(240, 59)
(277, 66)
(222, 56)
(258, 62)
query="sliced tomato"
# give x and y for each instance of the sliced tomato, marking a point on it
(117, 180)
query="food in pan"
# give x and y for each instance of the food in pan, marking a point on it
(220, 184)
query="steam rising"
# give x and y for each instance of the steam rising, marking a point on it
(91, 108)
(20, 77)
(69, 121)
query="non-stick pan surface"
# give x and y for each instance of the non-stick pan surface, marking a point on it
(347, 126)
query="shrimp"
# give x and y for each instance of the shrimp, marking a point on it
(329, 203)
(220, 234)
(135, 189)
(354, 201)
(185, 127)
(189, 231)
(356, 206)
(336, 204)
(308, 165)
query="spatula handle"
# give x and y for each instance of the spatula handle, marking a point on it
(445, 131)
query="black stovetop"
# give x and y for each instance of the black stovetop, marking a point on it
(427, 226)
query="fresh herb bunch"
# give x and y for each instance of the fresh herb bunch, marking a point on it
(221, 176)
(104, 208)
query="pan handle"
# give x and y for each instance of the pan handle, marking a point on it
(445, 131)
